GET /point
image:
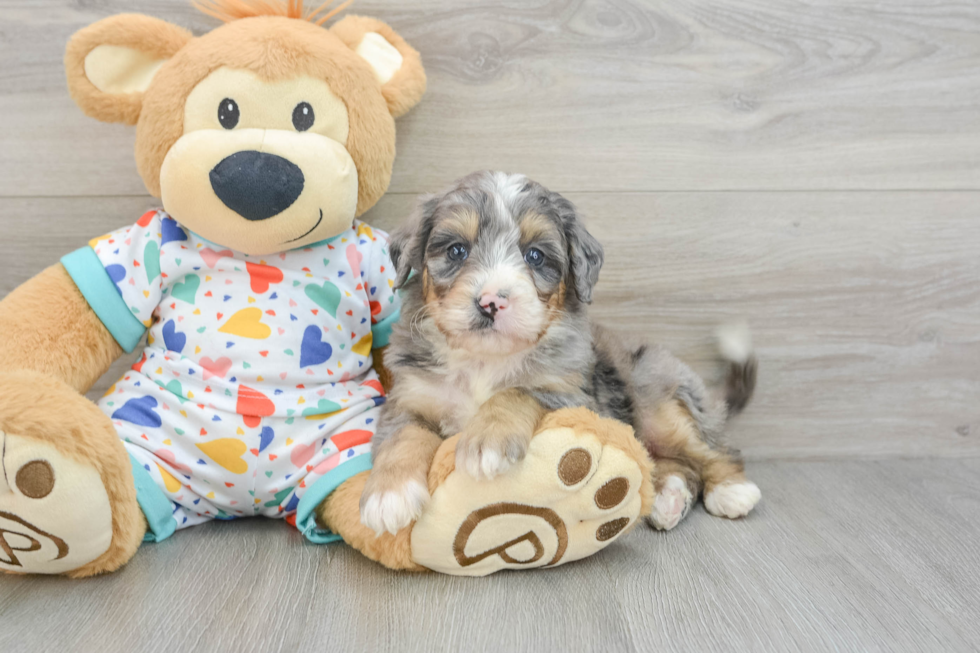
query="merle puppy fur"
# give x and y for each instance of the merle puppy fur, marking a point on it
(496, 273)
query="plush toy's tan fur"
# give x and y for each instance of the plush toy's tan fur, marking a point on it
(49, 328)
(40, 407)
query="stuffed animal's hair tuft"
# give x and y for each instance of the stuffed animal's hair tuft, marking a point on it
(229, 10)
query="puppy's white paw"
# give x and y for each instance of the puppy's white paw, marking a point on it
(732, 500)
(482, 463)
(393, 510)
(671, 505)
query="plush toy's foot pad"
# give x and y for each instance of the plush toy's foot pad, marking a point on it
(55, 514)
(581, 486)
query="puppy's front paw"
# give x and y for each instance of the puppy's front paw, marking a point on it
(389, 504)
(486, 451)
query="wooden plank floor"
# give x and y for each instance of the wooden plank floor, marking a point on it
(851, 556)
(813, 168)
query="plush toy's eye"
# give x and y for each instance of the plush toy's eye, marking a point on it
(228, 114)
(457, 252)
(303, 117)
(534, 257)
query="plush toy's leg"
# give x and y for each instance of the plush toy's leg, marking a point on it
(585, 481)
(340, 513)
(67, 497)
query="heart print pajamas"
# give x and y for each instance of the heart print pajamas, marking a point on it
(255, 393)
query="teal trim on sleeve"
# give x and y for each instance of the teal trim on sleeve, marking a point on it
(305, 512)
(155, 505)
(381, 332)
(88, 273)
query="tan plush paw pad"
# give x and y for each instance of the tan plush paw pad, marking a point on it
(54, 512)
(570, 497)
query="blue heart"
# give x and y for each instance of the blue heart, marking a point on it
(293, 502)
(265, 438)
(313, 350)
(139, 411)
(117, 273)
(174, 340)
(170, 231)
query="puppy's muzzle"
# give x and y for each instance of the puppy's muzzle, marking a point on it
(489, 304)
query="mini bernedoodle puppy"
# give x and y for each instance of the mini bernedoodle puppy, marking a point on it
(494, 333)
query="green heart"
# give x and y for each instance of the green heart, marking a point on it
(178, 261)
(326, 296)
(202, 330)
(342, 346)
(188, 289)
(179, 431)
(323, 407)
(288, 352)
(175, 389)
(246, 365)
(151, 260)
(280, 495)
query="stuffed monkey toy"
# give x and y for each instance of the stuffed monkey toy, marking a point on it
(266, 306)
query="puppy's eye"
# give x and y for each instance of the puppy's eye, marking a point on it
(228, 113)
(303, 117)
(534, 257)
(457, 252)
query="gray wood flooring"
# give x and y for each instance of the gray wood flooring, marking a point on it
(852, 556)
(812, 167)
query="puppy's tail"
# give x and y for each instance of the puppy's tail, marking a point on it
(735, 347)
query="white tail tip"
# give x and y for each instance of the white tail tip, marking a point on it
(735, 342)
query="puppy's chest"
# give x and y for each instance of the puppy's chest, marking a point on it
(464, 389)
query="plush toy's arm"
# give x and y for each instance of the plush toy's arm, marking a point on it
(47, 326)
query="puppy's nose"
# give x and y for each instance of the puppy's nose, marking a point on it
(257, 185)
(490, 303)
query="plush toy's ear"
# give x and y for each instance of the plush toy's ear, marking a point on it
(396, 64)
(110, 63)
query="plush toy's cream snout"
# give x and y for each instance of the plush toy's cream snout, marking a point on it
(265, 134)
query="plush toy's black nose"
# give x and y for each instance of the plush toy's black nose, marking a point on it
(256, 185)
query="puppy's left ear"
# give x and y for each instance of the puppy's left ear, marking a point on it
(408, 242)
(396, 64)
(584, 251)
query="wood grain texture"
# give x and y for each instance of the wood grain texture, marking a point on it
(588, 95)
(849, 556)
(865, 307)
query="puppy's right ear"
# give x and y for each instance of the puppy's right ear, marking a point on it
(408, 242)
(111, 63)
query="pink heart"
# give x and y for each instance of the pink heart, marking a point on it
(281, 331)
(282, 375)
(301, 454)
(216, 368)
(212, 257)
(292, 303)
(354, 257)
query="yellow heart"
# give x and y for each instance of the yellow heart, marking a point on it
(363, 346)
(239, 431)
(207, 277)
(227, 452)
(146, 293)
(183, 413)
(259, 378)
(197, 350)
(197, 311)
(289, 441)
(247, 324)
(172, 484)
(190, 395)
(251, 300)
(301, 401)
(168, 442)
(210, 495)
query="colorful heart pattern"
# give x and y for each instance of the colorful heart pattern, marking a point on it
(256, 380)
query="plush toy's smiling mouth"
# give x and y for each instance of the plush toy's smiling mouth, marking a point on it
(319, 220)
